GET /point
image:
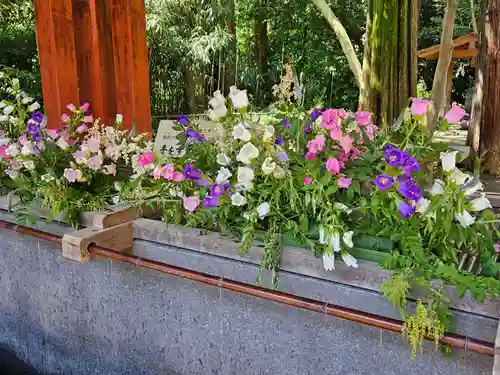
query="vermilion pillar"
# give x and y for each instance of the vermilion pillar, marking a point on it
(95, 51)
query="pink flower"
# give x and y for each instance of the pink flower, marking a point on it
(311, 156)
(178, 177)
(336, 134)
(3, 154)
(355, 153)
(93, 144)
(85, 107)
(332, 165)
(332, 118)
(419, 106)
(110, 169)
(317, 144)
(191, 203)
(65, 118)
(363, 118)
(72, 175)
(88, 119)
(82, 129)
(346, 144)
(80, 156)
(23, 140)
(344, 183)
(168, 171)
(307, 180)
(455, 114)
(52, 133)
(145, 159)
(370, 132)
(95, 162)
(157, 172)
(71, 107)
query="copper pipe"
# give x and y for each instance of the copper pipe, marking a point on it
(394, 325)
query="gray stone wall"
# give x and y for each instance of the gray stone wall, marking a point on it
(108, 317)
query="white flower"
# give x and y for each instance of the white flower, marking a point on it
(279, 172)
(247, 153)
(33, 107)
(12, 150)
(12, 173)
(349, 260)
(4, 118)
(465, 219)
(61, 142)
(119, 118)
(29, 149)
(223, 159)
(15, 81)
(238, 97)
(263, 210)
(480, 204)
(244, 186)
(3, 104)
(223, 176)
(245, 174)
(218, 104)
(342, 207)
(8, 110)
(95, 162)
(238, 200)
(72, 175)
(241, 132)
(29, 164)
(268, 166)
(347, 237)
(110, 169)
(329, 262)
(27, 100)
(448, 160)
(47, 177)
(268, 133)
(437, 188)
(217, 100)
(474, 188)
(423, 205)
(459, 177)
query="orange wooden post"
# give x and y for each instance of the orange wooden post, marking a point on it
(56, 46)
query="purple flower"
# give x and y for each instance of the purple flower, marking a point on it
(203, 182)
(191, 133)
(307, 129)
(405, 209)
(191, 174)
(36, 136)
(286, 123)
(182, 119)
(497, 247)
(315, 114)
(37, 116)
(280, 141)
(383, 181)
(216, 190)
(405, 179)
(283, 156)
(410, 191)
(209, 201)
(395, 157)
(411, 165)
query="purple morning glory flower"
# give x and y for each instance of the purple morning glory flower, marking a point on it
(216, 190)
(410, 191)
(283, 156)
(280, 141)
(182, 119)
(37, 116)
(411, 165)
(307, 129)
(191, 174)
(395, 157)
(209, 201)
(405, 179)
(203, 182)
(383, 182)
(286, 123)
(315, 114)
(405, 209)
(36, 136)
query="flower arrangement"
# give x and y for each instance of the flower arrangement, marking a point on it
(323, 179)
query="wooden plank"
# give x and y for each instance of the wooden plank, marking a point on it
(496, 366)
(56, 46)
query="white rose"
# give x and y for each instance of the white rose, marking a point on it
(29, 164)
(245, 174)
(238, 200)
(329, 262)
(268, 166)
(465, 219)
(4, 118)
(422, 205)
(448, 160)
(459, 177)
(480, 204)
(349, 260)
(437, 188)
(268, 133)
(347, 237)
(238, 97)
(241, 132)
(223, 159)
(247, 153)
(263, 210)
(8, 110)
(223, 176)
(35, 106)
(12, 150)
(279, 172)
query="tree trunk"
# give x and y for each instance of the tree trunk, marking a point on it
(262, 44)
(190, 90)
(389, 63)
(344, 40)
(490, 131)
(441, 75)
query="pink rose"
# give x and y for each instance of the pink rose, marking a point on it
(344, 183)
(346, 144)
(191, 203)
(363, 118)
(145, 159)
(88, 119)
(455, 114)
(167, 172)
(419, 106)
(332, 165)
(307, 180)
(178, 177)
(85, 107)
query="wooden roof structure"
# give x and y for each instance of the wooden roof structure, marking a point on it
(464, 47)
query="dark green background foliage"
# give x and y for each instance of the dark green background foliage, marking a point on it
(193, 51)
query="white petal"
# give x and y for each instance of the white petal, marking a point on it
(422, 205)
(448, 160)
(480, 204)
(349, 260)
(465, 219)
(459, 177)
(437, 188)
(347, 237)
(329, 262)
